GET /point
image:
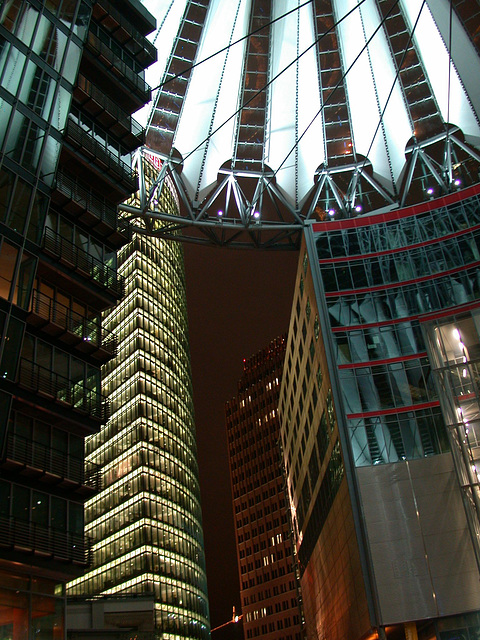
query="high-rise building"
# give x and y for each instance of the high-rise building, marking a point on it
(380, 408)
(71, 73)
(146, 522)
(268, 587)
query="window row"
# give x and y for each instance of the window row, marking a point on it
(132, 562)
(389, 236)
(401, 302)
(145, 506)
(38, 508)
(154, 481)
(149, 532)
(402, 266)
(402, 436)
(399, 384)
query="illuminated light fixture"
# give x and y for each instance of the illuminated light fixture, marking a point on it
(430, 191)
(457, 182)
(220, 214)
(256, 215)
(331, 212)
(358, 208)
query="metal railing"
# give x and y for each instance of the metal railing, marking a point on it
(135, 35)
(80, 260)
(74, 393)
(84, 140)
(40, 456)
(60, 544)
(121, 116)
(86, 198)
(132, 79)
(87, 330)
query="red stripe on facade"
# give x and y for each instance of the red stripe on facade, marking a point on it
(423, 317)
(388, 412)
(415, 210)
(374, 363)
(404, 283)
(360, 256)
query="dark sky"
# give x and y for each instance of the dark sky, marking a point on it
(238, 301)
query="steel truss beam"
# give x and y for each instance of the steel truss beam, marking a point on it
(247, 209)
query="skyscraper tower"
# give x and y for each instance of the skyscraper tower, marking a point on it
(146, 521)
(268, 587)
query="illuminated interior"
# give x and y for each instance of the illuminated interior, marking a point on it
(146, 521)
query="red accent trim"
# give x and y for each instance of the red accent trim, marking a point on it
(374, 363)
(404, 283)
(467, 396)
(388, 412)
(427, 243)
(424, 317)
(413, 210)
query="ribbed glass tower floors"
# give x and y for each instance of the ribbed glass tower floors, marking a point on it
(146, 521)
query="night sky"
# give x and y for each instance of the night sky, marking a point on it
(238, 301)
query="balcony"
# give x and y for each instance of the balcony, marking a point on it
(124, 31)
(74, 395)
(124, 75)
(45, 541)
(84, 334)
(89, 207)
(93, 100)
(34, 459)
(106, 161)
(80, 261)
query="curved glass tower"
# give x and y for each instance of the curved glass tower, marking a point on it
(146, 521)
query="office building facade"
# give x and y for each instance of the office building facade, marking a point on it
(146, 522)
(380, 427)
(71, 73)
(271, 606)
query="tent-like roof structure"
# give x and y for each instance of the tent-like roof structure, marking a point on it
(272, 113)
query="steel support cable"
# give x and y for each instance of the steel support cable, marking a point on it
(342, 78)
(381, 112)
(214, 111)
(162, 23)
(245, 37)
(450, 61)
(272, 80)
(397, 76)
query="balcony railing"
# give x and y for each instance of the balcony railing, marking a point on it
(89, 332)
(61, 545)
(89, 147)
(66, 251)
(119, 116)
(74, 190)
(143, 48)
(39, 456)
(75, 394)
(131, 78)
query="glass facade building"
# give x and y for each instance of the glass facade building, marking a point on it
(380, 422)
(146, 521)
(60, 182)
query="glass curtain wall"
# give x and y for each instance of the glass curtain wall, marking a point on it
(146, 521)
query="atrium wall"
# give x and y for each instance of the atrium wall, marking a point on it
(397, 335)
